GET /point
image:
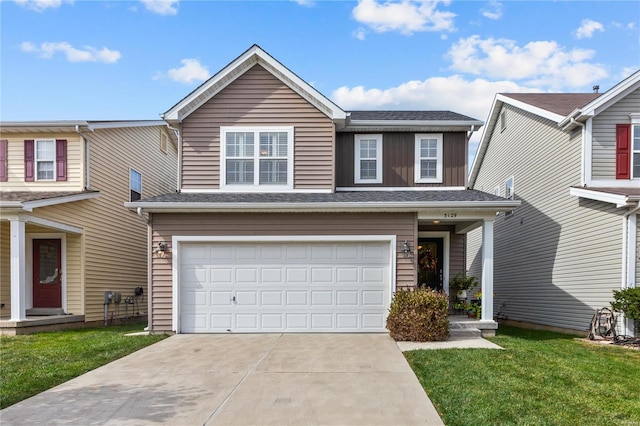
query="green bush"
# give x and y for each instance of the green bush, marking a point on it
(421, 315)
(627, 301)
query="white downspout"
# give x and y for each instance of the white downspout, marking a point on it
(583, 162)
(626, 273)
(179, 169)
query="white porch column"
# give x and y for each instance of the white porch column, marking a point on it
(632, 227)
(18, 253)
(487, 270)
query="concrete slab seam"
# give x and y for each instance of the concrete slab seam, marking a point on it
(249, 371)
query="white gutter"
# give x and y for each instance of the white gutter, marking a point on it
(627, 251)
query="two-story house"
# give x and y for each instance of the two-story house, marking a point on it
(574, 162)
(295, 215)
(65, 236)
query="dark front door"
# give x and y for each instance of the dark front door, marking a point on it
(430, 263)
(47, 273)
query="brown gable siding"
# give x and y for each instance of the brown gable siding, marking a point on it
(398, 153)
(257, 98)
(165, 226)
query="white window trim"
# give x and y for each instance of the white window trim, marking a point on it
(130, 182)
(416, 166)
(635, 123)
(36, 160)
(256, 187)
(356, 157)
(513, 191)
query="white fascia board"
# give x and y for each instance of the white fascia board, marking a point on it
(322, 207)
(47, 223)
(612, 95)
(530, 108)
(607, 197)
(226, 76)
(30, 124)
(30, 205)
(95, 125)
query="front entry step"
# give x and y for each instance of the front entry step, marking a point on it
(43, 312)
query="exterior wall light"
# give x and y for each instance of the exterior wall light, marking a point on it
(406, 249)
(161, 250)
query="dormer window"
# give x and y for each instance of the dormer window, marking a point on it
(368, 159)
(256, 157)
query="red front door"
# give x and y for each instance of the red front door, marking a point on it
(47, 274)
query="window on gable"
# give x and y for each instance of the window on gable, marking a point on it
(257, 157)
(503, 120)
(163, 142)
(428, 158)
(135, 185)
(368, 159)
(508, 192)
(635, 162)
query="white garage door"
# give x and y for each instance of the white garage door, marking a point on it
(292, 287)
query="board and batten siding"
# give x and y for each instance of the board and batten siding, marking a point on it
(257, 98)
(166, 226)
(557, 257)
(15, 163)
(398, 157)
(603, 163)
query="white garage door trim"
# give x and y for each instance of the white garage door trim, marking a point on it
(177, 241)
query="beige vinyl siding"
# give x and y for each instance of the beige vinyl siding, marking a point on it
(15, 163)
(456, 254)
(603, 161)
(5, 268)
(166, 226)
(637, 250)
(257, 98)
(557, 257)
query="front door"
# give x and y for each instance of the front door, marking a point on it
(47, 273)
(430, 263)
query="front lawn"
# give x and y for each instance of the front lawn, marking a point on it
(33, 363)
(541, 378)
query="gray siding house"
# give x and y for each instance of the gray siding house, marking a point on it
(573, 160)
(295, 215)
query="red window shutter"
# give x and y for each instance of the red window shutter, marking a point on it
(4, 175)
(29, 160)
(61, 159)
(623, 151)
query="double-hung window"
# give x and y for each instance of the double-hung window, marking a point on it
(45, 159)
(135, 185)
(428, 158)
(508, 192)
(256, 157)
(368, 159)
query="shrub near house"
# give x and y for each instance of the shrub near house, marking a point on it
(419, 316)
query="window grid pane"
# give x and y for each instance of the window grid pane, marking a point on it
(368, 148)
(239, 144)
(636, 165)
(428, 168)
(273, 172)
(428, 148)
(636, 138)
(45, 150)
(368, 169)
(239, 172)
(273, 144)
(45, 170)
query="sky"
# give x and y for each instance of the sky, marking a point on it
(133, 60)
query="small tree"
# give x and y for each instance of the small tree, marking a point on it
(628, 302)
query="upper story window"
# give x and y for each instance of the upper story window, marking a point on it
(135, 185)
(368, 159)
(428, 158)
(45, 160)
(636, 152)
(508, 192)
(253, 157)
(503, 120)
(164, 142)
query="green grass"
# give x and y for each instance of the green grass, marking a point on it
(541, 378)
(33, 363)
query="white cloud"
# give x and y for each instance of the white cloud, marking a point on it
(493, 10)
(86, 54)
(405, 17)
(190, 71)
(360, 33)
(307, 3)
(42, 5)
(162, 7)
(587, 28)
(542, 64)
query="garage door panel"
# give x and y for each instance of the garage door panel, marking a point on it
(274, 287)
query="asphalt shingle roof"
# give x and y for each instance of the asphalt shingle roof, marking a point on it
(26, 196)
(409, 116)
(559, 103)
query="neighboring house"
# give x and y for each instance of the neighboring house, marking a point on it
(66, 237)
(574, 162)
(294, 215)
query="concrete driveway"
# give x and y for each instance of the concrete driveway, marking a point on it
(251, 379)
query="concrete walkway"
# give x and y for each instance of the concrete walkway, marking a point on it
(267, 379)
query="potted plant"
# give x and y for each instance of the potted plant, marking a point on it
(459, 285)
